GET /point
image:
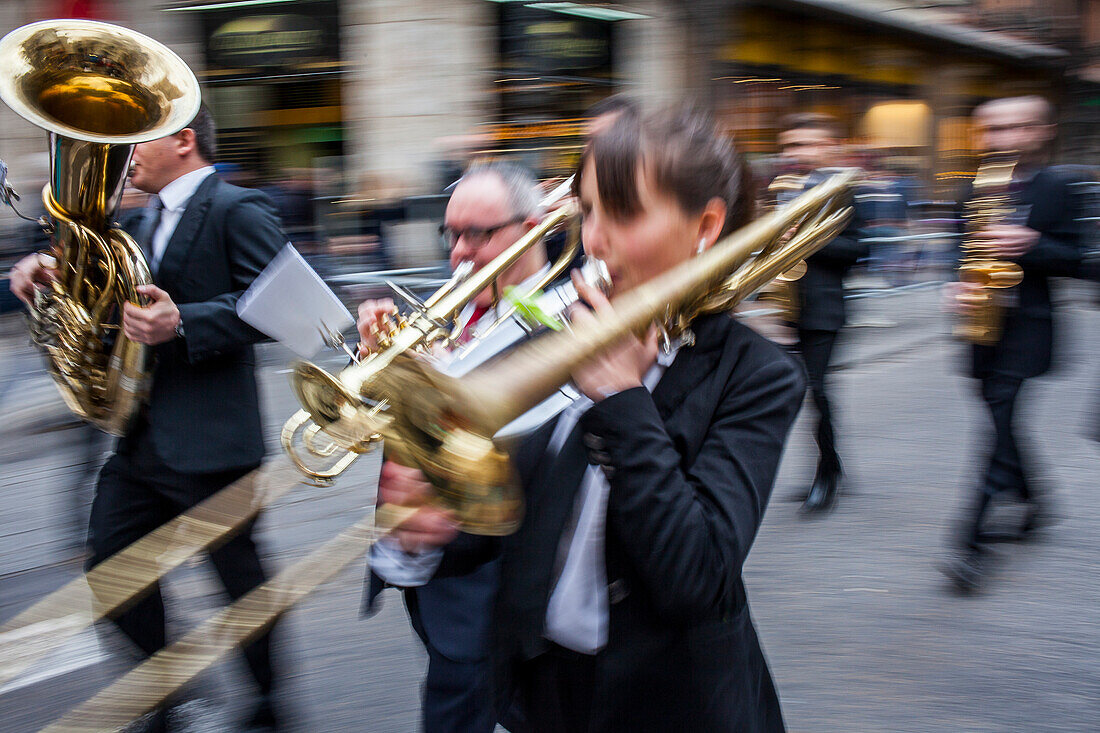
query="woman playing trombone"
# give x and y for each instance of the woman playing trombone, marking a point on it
(621, 604)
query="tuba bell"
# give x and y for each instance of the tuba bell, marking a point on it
(97, 89)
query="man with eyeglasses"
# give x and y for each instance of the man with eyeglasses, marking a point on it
(450, 605)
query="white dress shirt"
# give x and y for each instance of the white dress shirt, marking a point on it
(174, 198)
(577, 615)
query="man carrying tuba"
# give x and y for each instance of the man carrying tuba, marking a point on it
(205, 242)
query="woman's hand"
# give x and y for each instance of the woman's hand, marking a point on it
(373, 318)
(621, 367)
(430, 526)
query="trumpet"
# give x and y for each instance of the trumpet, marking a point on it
(429, 323)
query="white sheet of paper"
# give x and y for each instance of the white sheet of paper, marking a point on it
(290, 302)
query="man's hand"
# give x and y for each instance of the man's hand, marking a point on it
(429, 527)
(154, 323)
(621, 367)
(28, 274)
(962, 298)
(1008, 240)
(373, 315)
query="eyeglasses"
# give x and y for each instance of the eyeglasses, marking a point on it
(476, 237)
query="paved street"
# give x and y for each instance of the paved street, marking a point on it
(860, 629)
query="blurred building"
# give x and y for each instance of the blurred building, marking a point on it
(385, 98)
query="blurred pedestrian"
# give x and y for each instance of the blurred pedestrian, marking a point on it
(811, 144)
(886, 204)
(1043, 236)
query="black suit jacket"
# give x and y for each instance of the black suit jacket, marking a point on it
(203, 414)
(691, 468)
(821, 289)
(1027, 338)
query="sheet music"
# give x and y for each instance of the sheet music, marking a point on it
(290, 302)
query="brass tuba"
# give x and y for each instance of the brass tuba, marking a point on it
(97, 90)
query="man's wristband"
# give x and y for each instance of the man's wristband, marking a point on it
(179, 328)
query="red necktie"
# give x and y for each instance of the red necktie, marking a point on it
(468, 330)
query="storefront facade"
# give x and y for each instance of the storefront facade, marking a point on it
(387, 95)
(895, 92)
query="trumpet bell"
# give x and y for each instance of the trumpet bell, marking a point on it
(335, 409)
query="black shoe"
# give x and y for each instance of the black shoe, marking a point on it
(822, 494)
(965, 568)
(263, 719)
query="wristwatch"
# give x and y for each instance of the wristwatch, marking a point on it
(179, 328)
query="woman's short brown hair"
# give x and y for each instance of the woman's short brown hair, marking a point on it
(684, 154)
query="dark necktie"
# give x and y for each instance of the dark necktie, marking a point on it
(149, 227)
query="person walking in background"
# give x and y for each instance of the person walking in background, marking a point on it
(1043, 237)
(811, 144)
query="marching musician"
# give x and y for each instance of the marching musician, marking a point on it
(450, 607)
(205, 241)
(621, 603)
(491, 207)
(811, 143)
(1044, 237)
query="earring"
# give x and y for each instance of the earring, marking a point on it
(702, 246)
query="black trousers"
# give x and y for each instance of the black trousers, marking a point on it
(457, 696)
(816, 348)
(1005, 471)
(134, 497)
(555, 692)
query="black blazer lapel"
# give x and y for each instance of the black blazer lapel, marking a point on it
(692, 363)
(183, 238)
